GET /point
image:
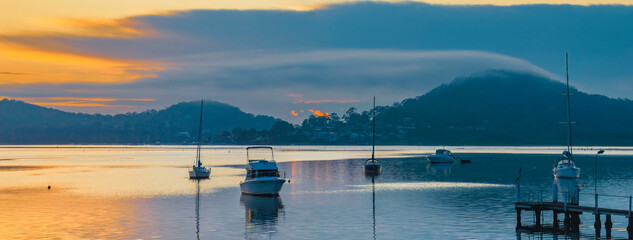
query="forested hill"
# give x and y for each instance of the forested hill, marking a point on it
(508, 108)
(491, 108)
(23, 123)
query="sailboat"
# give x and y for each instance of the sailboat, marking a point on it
(566, 168)
(199, 171)
(371, 165)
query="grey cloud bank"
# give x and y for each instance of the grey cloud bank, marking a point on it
(254, 59)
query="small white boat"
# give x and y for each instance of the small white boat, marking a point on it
(441, 156)
(197, 170)
(372, 167)
(566, 168)
(262, 175)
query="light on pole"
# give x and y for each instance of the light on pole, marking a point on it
(595, 175)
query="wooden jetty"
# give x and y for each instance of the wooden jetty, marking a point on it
(571, 211)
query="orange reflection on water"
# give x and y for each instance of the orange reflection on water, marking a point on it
(38, 213)
(127, 172)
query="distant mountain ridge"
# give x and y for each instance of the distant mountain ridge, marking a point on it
(24, 123)
(490, 108)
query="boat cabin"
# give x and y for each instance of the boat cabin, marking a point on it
(565, 160)
(443, 152)
(261, 168)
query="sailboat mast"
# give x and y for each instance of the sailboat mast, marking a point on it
(199, 135)
(569, 142)
(373, 134)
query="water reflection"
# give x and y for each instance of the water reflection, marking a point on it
(92, 196)
(262, 214)
(569, 188)
(197, 208)
(373, 205)
(440, 169)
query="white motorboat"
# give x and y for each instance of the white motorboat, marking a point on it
(197, 170)
(262, 175)
(372, 166)
(566, 168)
(441, 156)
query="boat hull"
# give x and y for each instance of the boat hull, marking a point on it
(440, 159)
(372, 168)
(566, 172)
(263, 187)
(199, 174)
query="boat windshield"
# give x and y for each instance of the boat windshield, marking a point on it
(262, 173)
(443, 152)
(260, 153)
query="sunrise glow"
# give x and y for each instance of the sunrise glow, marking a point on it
(319, 113)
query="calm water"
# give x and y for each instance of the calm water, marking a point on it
(143, 192)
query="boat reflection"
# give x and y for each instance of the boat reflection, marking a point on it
(442, 169)
(197, 208)
(569, 187)
(373, 205)
(262, 213)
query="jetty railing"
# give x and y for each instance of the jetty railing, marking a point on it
(571, 208)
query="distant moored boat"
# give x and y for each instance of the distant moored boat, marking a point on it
(372, 166)
(199, 171)
(441, 156)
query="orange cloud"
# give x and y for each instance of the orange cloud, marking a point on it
(48, 58)
(49, 67)
(294, 113)
(95, 99)
(294, 95)
(78, 101)
(305, 8)
(106, 28)
(319, 113)
(76, 104)
(100, 99)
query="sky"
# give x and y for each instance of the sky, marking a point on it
(290, 59)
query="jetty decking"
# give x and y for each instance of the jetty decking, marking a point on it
(571, 211)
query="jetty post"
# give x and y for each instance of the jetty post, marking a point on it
(629, 228)
(597, 223)
(608, 225)
(517, 192)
